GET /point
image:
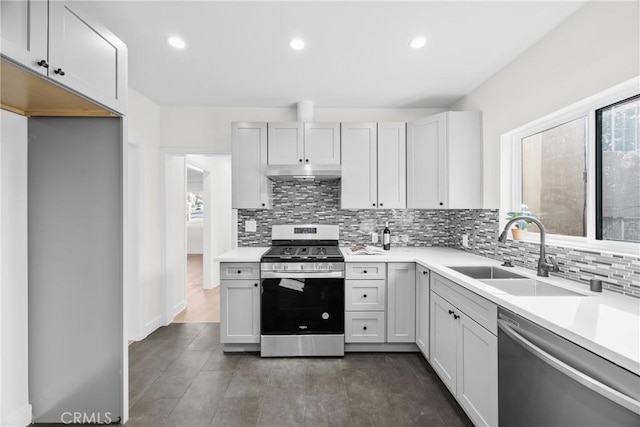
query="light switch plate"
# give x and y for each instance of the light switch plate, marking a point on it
(374, 237)
(250, 226)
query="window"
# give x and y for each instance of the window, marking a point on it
(554, 177)
(195, 206)
(618, 171)
(578, 170)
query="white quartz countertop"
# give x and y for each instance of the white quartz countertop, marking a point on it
(605, 323)
(245, 254)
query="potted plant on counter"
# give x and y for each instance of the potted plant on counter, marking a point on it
(520, 227)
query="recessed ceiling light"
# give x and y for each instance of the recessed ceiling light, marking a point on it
(418, 42)
(176, 42)
(297, 44)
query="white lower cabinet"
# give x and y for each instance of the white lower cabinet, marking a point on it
(477, 374)
(364, 327)
(365, 302)
(240, 307)
(401, 297)
(464, 353)
(422, 310)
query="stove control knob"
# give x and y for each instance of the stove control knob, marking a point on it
(330, 267)
(285, 266)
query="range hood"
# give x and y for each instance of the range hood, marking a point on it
(303, 172)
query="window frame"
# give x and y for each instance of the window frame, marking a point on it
(511, 167)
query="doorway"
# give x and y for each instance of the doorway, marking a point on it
(198, 226)
(202, 304)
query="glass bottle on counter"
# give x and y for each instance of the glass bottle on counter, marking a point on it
(386, 237)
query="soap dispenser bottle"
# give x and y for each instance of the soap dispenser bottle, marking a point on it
(386, 237)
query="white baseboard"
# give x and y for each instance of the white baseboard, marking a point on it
(178, 308)
(21, 418)
(215, 284)
(151, 326)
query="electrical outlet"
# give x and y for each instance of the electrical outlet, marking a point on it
(465, 240)
(250, 226)
(374, 237)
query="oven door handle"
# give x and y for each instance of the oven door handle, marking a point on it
(569, 371)
(301, 275)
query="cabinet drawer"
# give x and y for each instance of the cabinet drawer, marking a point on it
(364, 295)
(366, 270)
(364, 327)
(477, 308)
(239, 270)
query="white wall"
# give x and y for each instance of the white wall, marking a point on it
(222, 222)
(144, 131)
(219, 217)
(15, 409)
(596, 48)
(210, 128)
(175, 210)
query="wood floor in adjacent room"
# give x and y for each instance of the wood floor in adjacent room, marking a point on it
(203, 305)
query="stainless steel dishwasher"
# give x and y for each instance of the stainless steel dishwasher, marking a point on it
(546, 380)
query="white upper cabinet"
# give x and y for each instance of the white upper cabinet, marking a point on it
(286, 143)
(250, 188)
(304, 143)
(359, 183)
(392, 166)
(322, 143)
(373, 166)
(23, 33)
(59, 40)
(86, 57)
(444, 161)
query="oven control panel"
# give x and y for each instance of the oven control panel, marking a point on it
(300, 267)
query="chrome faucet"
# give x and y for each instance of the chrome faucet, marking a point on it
(543, 266)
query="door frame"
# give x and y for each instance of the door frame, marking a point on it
(165, 154)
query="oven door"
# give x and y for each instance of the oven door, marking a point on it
(300, 306)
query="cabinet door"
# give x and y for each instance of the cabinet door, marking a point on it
(443, 341)
(286, 143)
(422, 310)
(322, 143)
(392, 166)
(401, 306)
(86, 57)
(426, 159)
(477, 381)
(239, 311)
(249, 157)
(359, 166)
(23, 32)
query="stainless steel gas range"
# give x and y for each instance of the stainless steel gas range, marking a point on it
(302, 302)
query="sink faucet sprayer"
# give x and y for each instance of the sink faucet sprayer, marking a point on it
(543, 266)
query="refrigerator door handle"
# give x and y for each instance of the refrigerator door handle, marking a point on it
(592, 384)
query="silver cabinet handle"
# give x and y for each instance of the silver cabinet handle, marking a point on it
(580, 377)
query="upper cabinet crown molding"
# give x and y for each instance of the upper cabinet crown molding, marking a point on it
(444, 161)
(61, 42)
(313, 143)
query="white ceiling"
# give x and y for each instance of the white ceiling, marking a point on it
(357, 52)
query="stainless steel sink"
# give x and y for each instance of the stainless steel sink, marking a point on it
(487, 272)
(530, 288)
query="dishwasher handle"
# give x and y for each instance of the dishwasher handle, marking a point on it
(580, 377)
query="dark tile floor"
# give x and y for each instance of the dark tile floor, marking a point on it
(179, 376)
